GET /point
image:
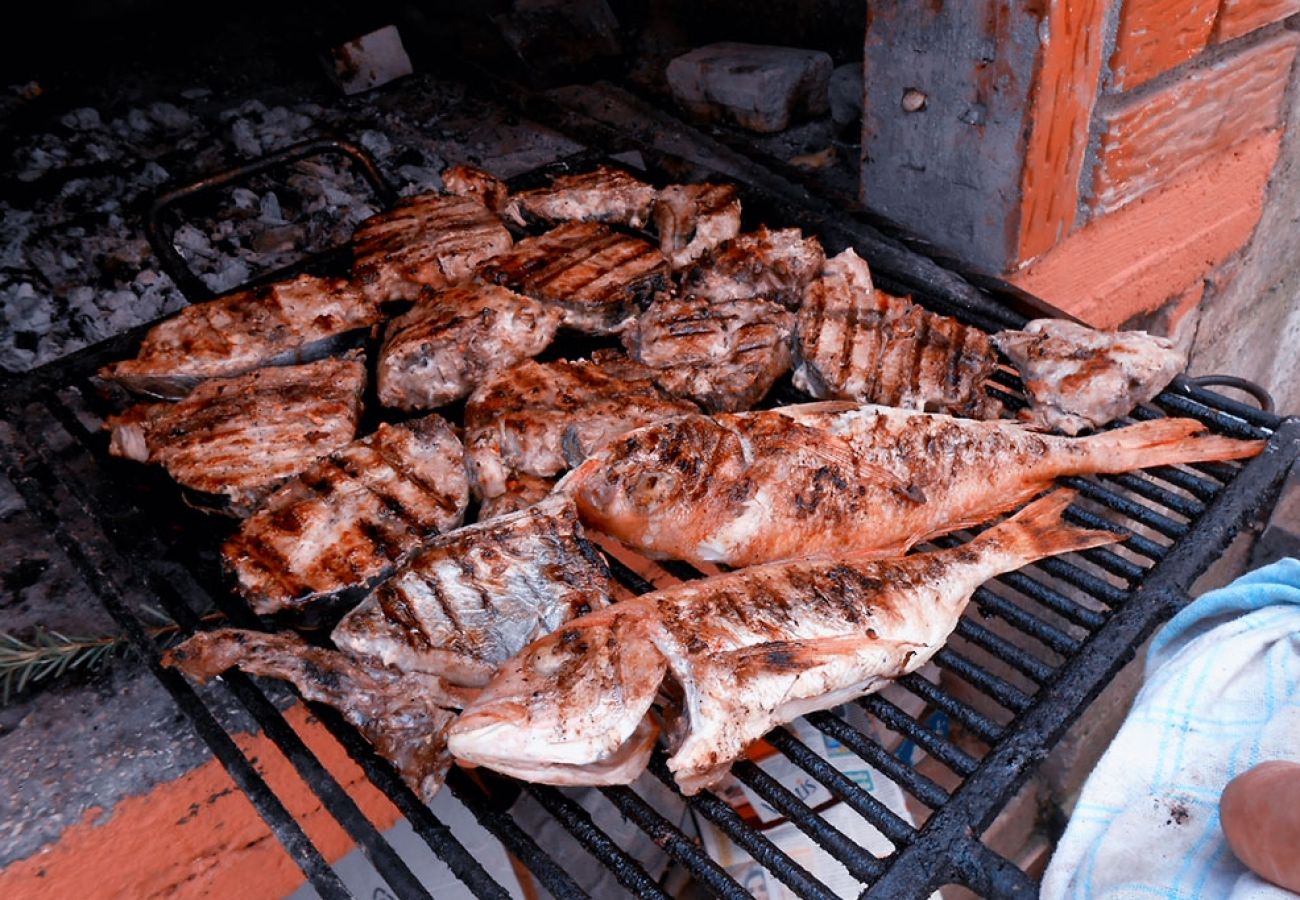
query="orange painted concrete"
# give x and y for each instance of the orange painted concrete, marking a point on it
(1238, 17)
(199, 836)
(1064, 93)
(1153, 138)
(1135, 260)
(1156, 35)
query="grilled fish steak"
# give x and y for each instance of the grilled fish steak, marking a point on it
(750, 650)
(777, 265)
(351, 517)
(694, 218)
(598, 277)
(723, 354)
(538, 419)
(471, 599)
(858, 343)
(1077, 377)
(287, 322)
(755, 487)
(477, 185)
(234, 440)
(602, 195)
(403, 715)
(431, 239)
(452, 340)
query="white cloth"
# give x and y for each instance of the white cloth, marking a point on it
(1222, 693)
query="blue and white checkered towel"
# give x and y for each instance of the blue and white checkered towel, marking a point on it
(1222, 693)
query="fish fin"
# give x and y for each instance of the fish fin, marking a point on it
(817, 407)
(1012, 501)
(1163, 442)
(1039, 530)
(838, 452)
(793, 657)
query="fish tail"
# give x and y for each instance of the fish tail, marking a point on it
(1163, 442)
(1039, 530)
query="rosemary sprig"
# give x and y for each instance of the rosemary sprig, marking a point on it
(51, 654)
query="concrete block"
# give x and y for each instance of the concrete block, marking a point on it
(846, 93)
(758, 87)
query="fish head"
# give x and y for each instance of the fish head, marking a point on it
(659, 472)
(573, 698)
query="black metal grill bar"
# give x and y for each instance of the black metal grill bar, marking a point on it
(630, 579)
(1006, 694)
(1082, 579)
(1266, 419)
(767, 854)
(1021, 660)
(891, 825)
(1144, 487)
(912, 781)
(1203, 489)
(1135, 511)
(512, 837)
(984, 728)
(677, 845)
(1225, 422)
(860, 864)
(1135, 542)
(93, 560)
(993, 604)
(896, 720)
(577, 821)
(1105, 559)
(1053, 600)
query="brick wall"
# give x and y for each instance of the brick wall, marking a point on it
(1134, 167)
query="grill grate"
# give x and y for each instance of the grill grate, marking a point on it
(1035, 648)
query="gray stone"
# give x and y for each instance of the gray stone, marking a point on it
(846, 93)
(758, 87)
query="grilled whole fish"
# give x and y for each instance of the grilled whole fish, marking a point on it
(538, 419)
(1077, 377)
(431, 239)
(858, 343)
(477, 185)
(750, 650)
(234, 440)
(454, 339)
(694, 218)
(723, 354)
(755, 487)
(598, 277)
(602, 195)
(471, 599)
(777, 265)
(288, 322)
(346, 521)
(403, 715)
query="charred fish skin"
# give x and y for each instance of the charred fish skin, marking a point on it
(755, 487)
(285, 323)
(232, 441)
(860, 344)
(777, 265)
(598, 277)
(403, 715)
(471, 599)
(350, 518)
(428, 240)
(452, 340)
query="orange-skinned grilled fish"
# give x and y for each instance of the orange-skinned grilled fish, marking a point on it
(756, 487)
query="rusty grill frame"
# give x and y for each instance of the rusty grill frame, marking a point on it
(104, 515)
